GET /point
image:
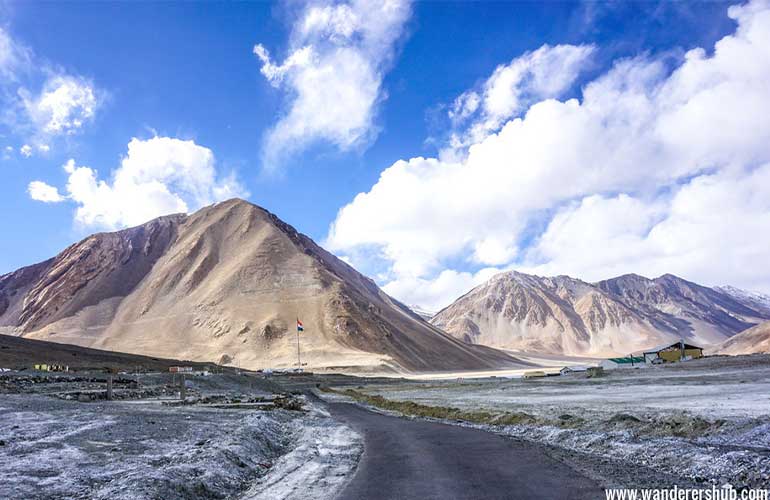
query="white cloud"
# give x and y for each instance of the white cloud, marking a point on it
(41, 191)
(26, 150)
(6, 49)
(639, 130)
(715, 228)
(338, 55)
(158, 176)
(544, 73)
(63, 106)
(39, 101)
(434, 294)
(13, 57)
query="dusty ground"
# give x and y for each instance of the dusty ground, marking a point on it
(232, 439)
(699, 423)
(702, 422)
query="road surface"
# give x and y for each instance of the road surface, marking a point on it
(412, 459)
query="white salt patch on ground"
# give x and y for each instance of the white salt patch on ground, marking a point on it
(707, 420)
(55, 449)
(321, 463)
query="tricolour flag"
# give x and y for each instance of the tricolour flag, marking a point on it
(299, 325)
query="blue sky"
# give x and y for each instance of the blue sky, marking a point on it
(184, 80)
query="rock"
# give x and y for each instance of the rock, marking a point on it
(84, 398)
(624, 418)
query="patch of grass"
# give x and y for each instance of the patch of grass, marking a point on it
(442, 412)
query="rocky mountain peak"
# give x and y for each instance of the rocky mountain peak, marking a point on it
(569, 316)
(225, 283)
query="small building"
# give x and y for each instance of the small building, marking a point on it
(573, 369)
(180, 369)
(627, 362)
(51, 368)
(678, 351)
(595, 371)
(534, 374)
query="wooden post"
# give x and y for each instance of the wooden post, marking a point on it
(182, 387)
(109, 387)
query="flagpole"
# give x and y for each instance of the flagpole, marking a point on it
(299, 361)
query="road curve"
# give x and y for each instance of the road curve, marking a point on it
(412, 459)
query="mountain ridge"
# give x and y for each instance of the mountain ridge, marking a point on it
(225, 284)
(564, 315)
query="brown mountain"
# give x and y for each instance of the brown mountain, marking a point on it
(562, 315)
(225, 284)
(754, 340)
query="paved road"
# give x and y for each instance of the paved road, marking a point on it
(411, 459)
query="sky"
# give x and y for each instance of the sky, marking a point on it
(430, 145)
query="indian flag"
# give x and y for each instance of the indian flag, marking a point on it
(300, 328)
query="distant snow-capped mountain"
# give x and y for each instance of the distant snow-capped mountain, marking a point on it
(422, 312)
(755, 300)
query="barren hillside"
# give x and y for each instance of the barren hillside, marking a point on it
(562, 315)
(225, 284)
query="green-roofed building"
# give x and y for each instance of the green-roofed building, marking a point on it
(626, 362)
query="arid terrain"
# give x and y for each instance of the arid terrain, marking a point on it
(226, 285)
(237, 436)
(617, 316)
(246, 435)
(701, 422)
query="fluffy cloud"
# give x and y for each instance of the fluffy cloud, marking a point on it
(26, 150)
(620, 179)
(715, 227)
(46, 193)
(63, 106)
(158, 176)
(544, 73)
(339, 52)
(434, 294)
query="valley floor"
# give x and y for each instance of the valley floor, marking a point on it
(60, 439)
(246, 437)
(701, 422)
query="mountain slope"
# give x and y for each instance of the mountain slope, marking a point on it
(19, 353)
(557, 315)
(685, 309)
(754, 340)
(562, 315)
(753, 300)
(225, 284)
